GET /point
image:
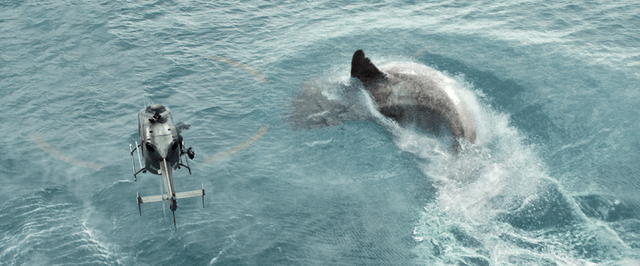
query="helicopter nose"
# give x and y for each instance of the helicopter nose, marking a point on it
(166, 146)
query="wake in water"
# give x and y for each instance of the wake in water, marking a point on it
(495, 202)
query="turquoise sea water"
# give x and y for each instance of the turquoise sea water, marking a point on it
(552, 179)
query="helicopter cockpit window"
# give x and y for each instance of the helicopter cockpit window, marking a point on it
(150, 147)
(174, 145)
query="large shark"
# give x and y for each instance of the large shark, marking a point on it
(415, 94)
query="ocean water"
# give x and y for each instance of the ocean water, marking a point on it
(298, 166)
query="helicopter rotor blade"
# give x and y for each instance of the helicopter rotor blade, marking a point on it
(246, 143)
(242, 66)
(37, 139)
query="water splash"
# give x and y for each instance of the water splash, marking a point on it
(495, 201)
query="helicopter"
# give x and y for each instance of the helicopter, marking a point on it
(163, 152)
(156, 114)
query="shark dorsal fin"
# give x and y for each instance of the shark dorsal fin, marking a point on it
(363, 69)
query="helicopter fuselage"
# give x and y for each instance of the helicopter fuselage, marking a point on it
(159, 138)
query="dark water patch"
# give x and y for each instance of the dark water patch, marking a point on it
(465, 238)
(607, 208)
(548, 208)
(124, 45)
(473, 261)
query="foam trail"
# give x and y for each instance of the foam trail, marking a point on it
(496, 202)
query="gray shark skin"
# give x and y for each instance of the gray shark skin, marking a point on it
(415, 94)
